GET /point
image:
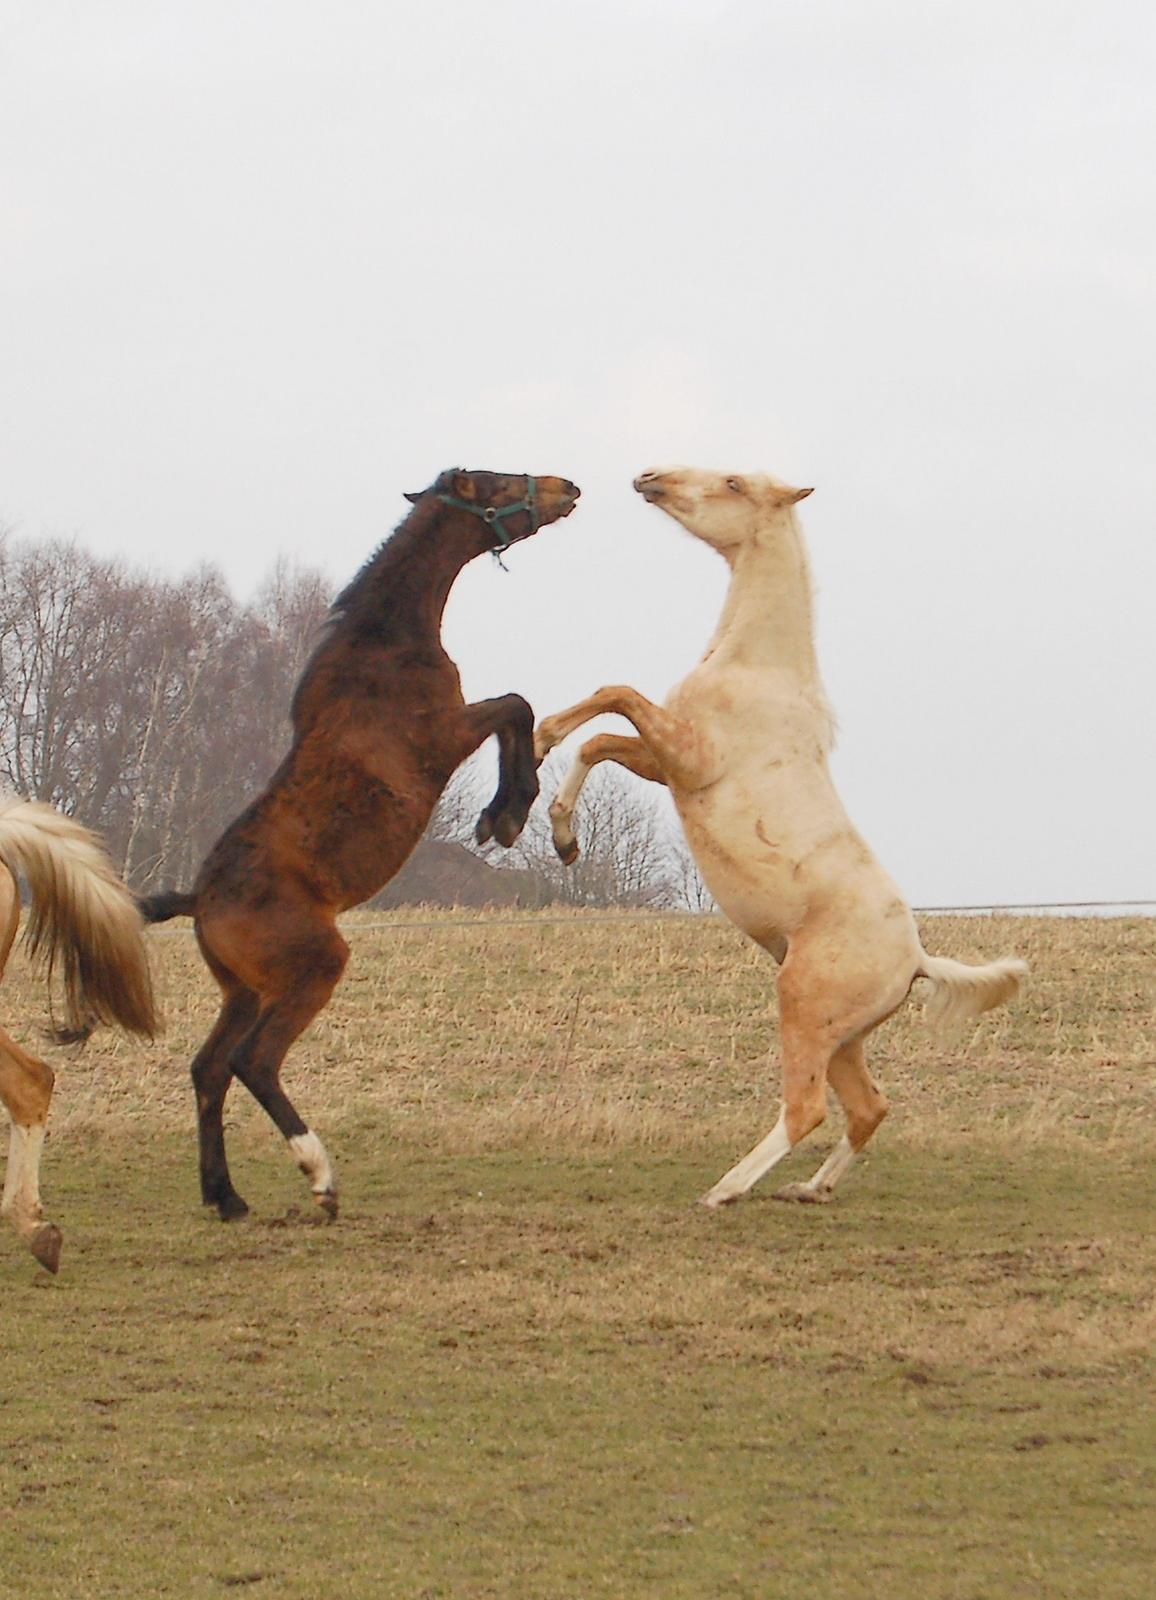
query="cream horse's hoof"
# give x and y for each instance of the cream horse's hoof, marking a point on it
(565, 843)
(803, 1194)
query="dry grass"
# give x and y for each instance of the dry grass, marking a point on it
(657, 1032)
(523, 1364)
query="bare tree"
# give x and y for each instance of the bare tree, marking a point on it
(624, 859)
(151, 709)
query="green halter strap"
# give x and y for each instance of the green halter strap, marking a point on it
(495, 516)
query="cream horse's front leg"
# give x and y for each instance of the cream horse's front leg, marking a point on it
(678, 748)
(629, 753)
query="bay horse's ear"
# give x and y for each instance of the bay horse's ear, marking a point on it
(414, 498)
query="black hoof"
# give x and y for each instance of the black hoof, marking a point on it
(507, 828)
(484, 829)
(231, 1207)
(45, 1246)
(328, 1204)
(568, 853)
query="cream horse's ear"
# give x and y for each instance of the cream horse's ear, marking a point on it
(793, 496)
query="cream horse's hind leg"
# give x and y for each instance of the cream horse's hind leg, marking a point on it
(26, 1091)
(822, 1025)
(629, 753)
(865, 1106)
(806, 1054)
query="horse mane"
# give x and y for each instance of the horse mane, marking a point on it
(351, 603)
(366, 607)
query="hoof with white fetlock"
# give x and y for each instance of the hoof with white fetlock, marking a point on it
(803, 1194)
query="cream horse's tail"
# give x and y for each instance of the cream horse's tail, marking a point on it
(960, 991)
(82, 919)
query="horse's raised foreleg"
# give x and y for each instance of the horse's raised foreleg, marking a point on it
(865, 1106)
(629, 753)
(512, 720)
(681, 752)
(26, 1091)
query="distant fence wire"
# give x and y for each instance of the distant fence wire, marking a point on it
(533, 920)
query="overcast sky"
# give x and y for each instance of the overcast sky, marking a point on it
(266, 266)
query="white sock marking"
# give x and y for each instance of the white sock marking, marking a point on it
(836, 1166)
(747, 1172)
(310, 1155)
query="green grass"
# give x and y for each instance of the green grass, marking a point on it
(534, 1368)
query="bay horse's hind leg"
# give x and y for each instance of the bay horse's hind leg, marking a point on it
(256, 1060)
(26, 1090)
(865, 1106)
(212, 1076)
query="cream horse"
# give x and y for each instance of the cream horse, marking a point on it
(742, 744)
(85, 920)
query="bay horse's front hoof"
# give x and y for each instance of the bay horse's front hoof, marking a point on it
(507, 828)
(45, 1245)
(504, 827)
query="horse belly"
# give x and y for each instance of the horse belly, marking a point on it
(743, 863)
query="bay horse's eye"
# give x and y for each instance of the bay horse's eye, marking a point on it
(736, 484)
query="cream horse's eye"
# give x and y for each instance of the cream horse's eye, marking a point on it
(736, 484)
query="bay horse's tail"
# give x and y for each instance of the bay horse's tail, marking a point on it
(82, 918)
(961, 991)
(166, 905)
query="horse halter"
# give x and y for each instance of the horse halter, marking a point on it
(495, 516)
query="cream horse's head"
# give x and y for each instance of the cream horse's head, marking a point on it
(724, 510)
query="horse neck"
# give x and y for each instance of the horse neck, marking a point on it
(402, 590)
(767, 621)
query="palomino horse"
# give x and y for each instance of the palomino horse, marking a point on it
(85, 920)
(743, 743)
(379, 726)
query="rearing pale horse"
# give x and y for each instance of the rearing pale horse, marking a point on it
(742, 744)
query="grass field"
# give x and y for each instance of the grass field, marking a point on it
(523, 1364)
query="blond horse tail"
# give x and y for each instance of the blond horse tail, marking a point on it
(960, 991)
(83, 919)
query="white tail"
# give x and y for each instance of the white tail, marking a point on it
(961, 991)
(82, 916)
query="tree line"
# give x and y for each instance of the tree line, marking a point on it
(154, 709)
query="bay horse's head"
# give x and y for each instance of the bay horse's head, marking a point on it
(724, 510)
(500, 508)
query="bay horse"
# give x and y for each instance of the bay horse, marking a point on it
(379, 726)
(742, 744)
(85, 921)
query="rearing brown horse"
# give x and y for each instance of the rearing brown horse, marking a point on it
(379, 726)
